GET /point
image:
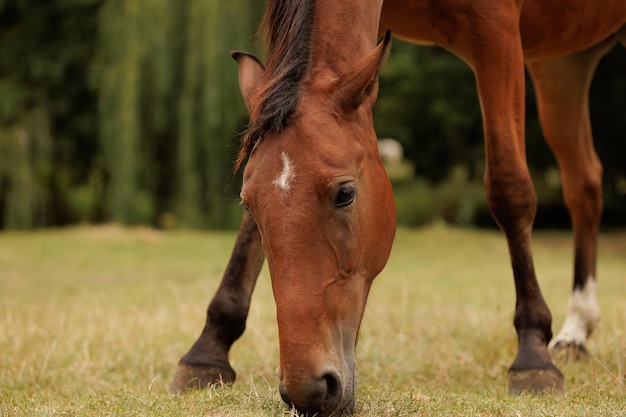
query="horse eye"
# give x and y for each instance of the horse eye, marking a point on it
(245, 207)
(345, 196)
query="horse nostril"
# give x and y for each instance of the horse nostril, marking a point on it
(334, 391)
(320, 396)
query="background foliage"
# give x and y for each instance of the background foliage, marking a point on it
(129, 110)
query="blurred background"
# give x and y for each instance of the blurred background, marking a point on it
(129, 111)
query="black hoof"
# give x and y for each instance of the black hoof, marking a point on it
(189, 377)
(536, 381)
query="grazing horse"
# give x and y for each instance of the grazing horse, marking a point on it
(319, 206)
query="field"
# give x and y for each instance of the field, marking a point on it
(94, 320)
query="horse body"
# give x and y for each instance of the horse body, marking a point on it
(321, 207)
(547, 28)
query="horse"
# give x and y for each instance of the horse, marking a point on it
(319, 206)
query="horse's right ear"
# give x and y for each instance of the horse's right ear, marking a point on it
(359, 85)
(250, 75)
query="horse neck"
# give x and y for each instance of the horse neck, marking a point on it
(342, 33)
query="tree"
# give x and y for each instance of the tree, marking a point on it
(428, 102)
(46, 110)
(169, 108)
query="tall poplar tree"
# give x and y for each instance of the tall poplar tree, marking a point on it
(169, 107)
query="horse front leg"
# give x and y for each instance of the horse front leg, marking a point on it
(206, 363)
(497, 58)
(562, 86)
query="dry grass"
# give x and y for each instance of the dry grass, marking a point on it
(94, 320)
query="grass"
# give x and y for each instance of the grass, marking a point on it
(93, 321)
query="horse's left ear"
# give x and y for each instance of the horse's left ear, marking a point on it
(250, 76)
(359, 86)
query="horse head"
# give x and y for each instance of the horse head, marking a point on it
(324, 207)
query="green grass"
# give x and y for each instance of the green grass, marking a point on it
(94, 320)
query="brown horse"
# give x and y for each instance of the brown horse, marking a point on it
(320, 206)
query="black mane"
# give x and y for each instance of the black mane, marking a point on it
(287, 25)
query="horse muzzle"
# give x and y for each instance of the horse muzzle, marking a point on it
(320, 394)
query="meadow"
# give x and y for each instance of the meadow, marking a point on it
(94, 319)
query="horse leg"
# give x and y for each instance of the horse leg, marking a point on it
(497, 58)
(206, 363)
(562, 86)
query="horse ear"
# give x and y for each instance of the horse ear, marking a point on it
(359, 85)
(250, 75)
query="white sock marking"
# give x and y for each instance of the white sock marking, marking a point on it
(283, 181)
(583, 315)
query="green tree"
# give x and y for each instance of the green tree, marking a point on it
(428, 102)
(169, 108)
(47, 140)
